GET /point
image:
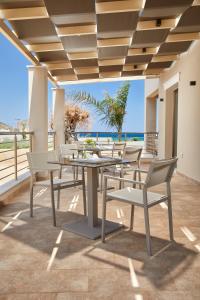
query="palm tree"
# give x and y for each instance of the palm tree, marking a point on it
(111, 109)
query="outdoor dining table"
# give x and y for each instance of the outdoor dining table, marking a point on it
(90, 226)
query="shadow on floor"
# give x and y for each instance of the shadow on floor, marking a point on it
(40, 234)
(170, 259)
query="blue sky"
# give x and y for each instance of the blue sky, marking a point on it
(14, 92)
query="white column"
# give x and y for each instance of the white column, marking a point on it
(58, 115)
(38, 106)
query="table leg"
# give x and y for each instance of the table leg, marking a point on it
(90, 226)
(92, 184)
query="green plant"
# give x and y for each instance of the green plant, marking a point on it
(111, 109)
(136, 139)
(90, 142)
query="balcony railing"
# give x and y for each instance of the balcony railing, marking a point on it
(148, 140)
(13, 149)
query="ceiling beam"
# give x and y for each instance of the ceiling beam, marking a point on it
(114, 42)
(12, 14)
(66, 77)
(142, 51)
(76, 30)
(153, 71)
(124, 78)
(5, 30)
(111, 62)
(149, 25)
(135, 67)
(110, 74)
(119, 6)
(82, 55)
(163, 58)
(86, 70)
(55, 66)
(182, 37)
(45, 47)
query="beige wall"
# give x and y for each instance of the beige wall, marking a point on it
(185, 70)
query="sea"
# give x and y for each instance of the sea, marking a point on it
(112, 136)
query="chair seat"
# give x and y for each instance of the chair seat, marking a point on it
(57, 182)
(135, 196)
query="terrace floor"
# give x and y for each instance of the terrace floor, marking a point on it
(39, 261)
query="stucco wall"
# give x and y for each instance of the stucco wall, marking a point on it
(185, 70)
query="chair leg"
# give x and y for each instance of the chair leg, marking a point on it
(31, 201)
(52, 200)
(171, 233)
(74, 173)
(121, 185)
(101, 170)
(104, 212)
(148, 237)
(132, 217)
(58, 199)
(84, 193)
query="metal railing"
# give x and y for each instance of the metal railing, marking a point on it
(13, 149)
(51, 140)
(148, 140)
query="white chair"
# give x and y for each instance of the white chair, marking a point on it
(130, 153)
(160, 171)
(118, 149)
(39, 162)
(70, 151)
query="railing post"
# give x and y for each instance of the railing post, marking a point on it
(15, 155)
(125, 137)
(97, 136)
(30, 142)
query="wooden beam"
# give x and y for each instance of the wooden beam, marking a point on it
(109, 74)
(77, 30)
(182, 37)
(5, 30)
(111, 62)
(163, 58)
(82, 55)
(137, 68)
(45, 47)
(56, 66)
(149, 25)
(119, 6)
(142, 51)
(66, 77)
(153, 71)
(24, 13)
(86, 70)
(114, 42)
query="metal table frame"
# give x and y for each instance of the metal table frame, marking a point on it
(90, 226)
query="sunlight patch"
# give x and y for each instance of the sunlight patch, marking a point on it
(134, 280)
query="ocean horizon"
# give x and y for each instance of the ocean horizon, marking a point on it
(112, 135)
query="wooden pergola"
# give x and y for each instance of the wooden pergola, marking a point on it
(81, 41)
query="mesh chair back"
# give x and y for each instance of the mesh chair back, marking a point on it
(132, 153)
(160, 171)
(68, 150)
(118, 148)
(38, 161)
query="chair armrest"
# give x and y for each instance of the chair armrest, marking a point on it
(36, 170)
(124, 179)
(140, 171)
